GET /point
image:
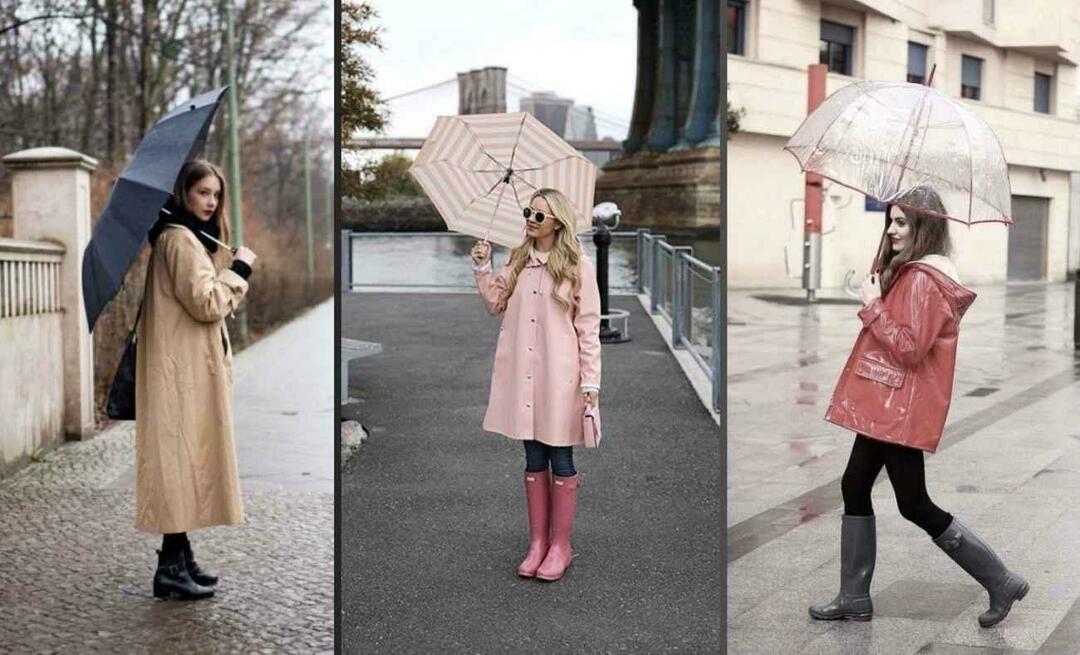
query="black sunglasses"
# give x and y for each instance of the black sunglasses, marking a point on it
(540, 216)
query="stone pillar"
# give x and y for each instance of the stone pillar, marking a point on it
(661, 134)
(482, 91)
(51, 202)
(685, 63)
(701, 124)
(644, 91)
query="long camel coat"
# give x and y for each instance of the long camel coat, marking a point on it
(186, 476)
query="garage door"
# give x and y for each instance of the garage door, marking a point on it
(1027, 238)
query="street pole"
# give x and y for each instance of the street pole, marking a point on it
(308, 211)
(236, 206)
(811, 277)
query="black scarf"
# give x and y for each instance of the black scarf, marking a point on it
(173, 213)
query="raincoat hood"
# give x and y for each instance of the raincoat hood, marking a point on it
(943, 272)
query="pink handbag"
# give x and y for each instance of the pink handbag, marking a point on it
(590, 425)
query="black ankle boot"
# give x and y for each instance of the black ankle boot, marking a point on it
(172, 580)
(197, 574)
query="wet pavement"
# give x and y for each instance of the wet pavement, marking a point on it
(75, 574)
(433, 519)
(1008, 465)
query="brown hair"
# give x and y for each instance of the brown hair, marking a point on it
(930, 232)
(189, 176)
(564, 257)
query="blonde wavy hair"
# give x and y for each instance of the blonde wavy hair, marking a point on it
(563, 259)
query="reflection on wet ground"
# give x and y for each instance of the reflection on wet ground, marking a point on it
(1009, 465)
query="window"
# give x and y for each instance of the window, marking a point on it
(736, 27)
(837, 45)
(916, 63)
(971, 77)
(988, 12)
(1042, 93)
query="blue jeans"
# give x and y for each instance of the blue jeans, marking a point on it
(537, 456)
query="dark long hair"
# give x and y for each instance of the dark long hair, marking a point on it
(190, 174)
(930, 233)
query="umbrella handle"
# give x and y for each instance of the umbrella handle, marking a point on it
(850, 289)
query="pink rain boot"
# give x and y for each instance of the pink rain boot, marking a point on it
(563, 508)
(538, 502)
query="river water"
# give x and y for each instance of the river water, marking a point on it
(440, 262)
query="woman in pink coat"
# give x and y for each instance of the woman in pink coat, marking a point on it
(547, 367)
(894, 393)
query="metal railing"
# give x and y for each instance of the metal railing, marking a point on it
(673, 279)
(680, 287)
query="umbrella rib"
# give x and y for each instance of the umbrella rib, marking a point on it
(480, 197)
(971, 174)
(495, 212)
(914, 133)
(526, 181)
(527, 170)
(517, 139)
(516, 198)
(480, 145)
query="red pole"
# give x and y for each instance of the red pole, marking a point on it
(812, 222)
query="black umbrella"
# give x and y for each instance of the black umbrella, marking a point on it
(138, 195)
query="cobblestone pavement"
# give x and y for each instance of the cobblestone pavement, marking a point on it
(75, 574)
(1008, 465)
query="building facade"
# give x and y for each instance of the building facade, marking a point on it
(1013, 62)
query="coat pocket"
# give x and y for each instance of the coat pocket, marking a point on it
(878, 372)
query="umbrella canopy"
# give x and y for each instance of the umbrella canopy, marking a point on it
(138, 195)
(889, 140)
(480, 170)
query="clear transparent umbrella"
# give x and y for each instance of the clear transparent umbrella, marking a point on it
(889, 140)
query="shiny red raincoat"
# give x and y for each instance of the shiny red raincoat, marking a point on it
(897, 383)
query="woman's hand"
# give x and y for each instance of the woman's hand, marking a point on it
(245, 254)
(481, 252)
(590, 397)
(870, 290)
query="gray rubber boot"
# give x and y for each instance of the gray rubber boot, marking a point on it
(858, 550)
(973, 555)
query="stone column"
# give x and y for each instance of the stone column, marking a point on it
(645, 87)
(701, 123)
(685, 61)
(51, 202)
(661, 134)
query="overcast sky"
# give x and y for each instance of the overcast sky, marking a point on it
(581, 49)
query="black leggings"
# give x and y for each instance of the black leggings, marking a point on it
(907, 475)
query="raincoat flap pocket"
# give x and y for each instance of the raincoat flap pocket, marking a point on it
(878, 372)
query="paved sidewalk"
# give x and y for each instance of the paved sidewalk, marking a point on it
(1008, 465)
(433, 519)
(75, 574)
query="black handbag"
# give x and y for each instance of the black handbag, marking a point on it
(121, 405)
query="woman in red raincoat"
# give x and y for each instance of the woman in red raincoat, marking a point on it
(894, 393)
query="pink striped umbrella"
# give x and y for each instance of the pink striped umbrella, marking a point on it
(480, 170)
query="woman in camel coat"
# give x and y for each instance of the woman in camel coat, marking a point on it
(187, 474)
